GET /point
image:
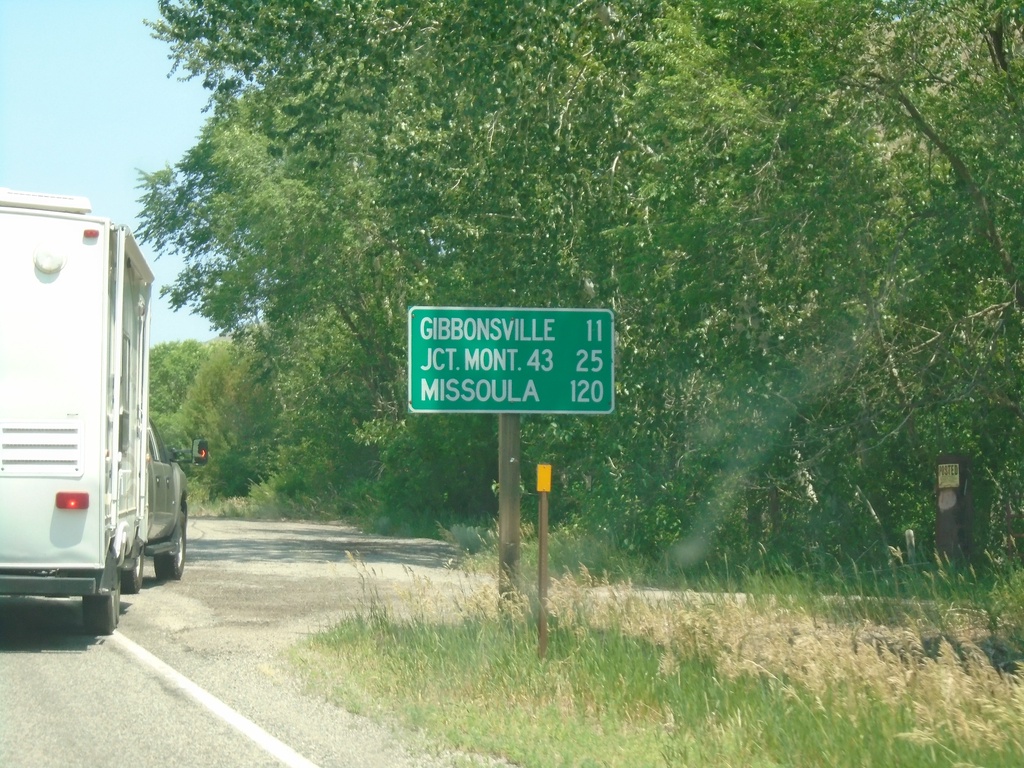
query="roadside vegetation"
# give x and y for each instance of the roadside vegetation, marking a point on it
(804, 215)
(908, 668)
(806, 218)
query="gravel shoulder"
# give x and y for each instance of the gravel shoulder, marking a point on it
(252, 590)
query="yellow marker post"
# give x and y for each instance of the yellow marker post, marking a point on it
(543, 488)
(543, 478)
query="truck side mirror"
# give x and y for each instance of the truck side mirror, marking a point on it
(200, 451)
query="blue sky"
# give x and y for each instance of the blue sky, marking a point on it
(85, 103)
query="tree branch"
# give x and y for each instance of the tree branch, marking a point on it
(963, 173)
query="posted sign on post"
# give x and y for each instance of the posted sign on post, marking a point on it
(489, 360)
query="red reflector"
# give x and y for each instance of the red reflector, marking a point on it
(71, 500)
(91, 234)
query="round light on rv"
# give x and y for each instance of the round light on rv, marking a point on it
(48, 262)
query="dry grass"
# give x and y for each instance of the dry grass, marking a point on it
(638, 677)
(951, 686)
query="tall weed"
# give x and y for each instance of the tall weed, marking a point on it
(780, 675)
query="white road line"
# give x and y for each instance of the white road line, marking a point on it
(243, 725)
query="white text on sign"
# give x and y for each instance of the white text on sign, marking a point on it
(519, 360)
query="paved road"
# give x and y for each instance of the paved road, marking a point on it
(198, 668)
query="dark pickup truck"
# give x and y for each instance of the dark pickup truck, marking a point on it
(167, 503)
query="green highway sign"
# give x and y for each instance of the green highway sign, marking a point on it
(491, 360)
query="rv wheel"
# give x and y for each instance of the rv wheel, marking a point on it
(101, 612)
(131, 579)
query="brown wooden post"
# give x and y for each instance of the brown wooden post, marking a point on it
(954, 519)
(508, 503)
(543, 487)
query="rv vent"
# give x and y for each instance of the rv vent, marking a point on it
(44, 202)
(41, 449)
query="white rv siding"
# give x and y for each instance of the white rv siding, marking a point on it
(52, 365)
(64, 385)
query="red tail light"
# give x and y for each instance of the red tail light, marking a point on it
(72, 500)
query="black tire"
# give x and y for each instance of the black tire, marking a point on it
(100, 613)
(131, 578)
(171, 565)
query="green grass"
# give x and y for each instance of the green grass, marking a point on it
(263, 504)
(899, 667)
(787, 677)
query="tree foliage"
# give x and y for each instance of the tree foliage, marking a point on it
(234, 407)
(173, 367)
(803, 214)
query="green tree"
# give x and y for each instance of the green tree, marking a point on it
(173, 367)
(231, 403)
(803, 215)
(850, 298)
(369, 158)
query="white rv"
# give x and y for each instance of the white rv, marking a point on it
(75, 293)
